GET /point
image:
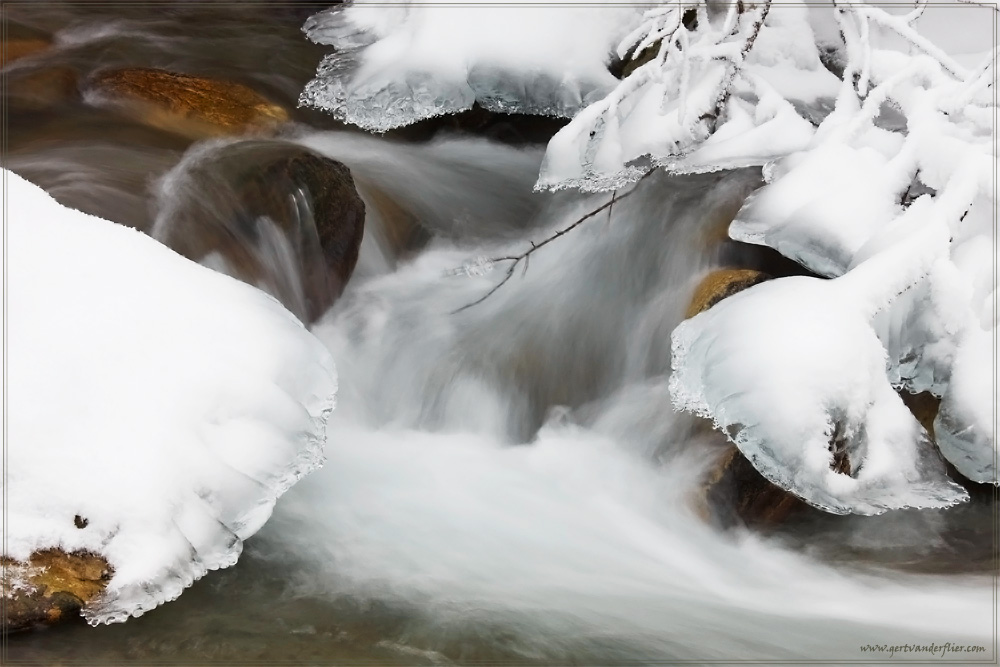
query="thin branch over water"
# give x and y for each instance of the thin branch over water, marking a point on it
(526, 255)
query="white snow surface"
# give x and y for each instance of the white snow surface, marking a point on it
(165, 405)
(393, 66)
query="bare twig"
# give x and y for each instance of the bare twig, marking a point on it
(526, 255)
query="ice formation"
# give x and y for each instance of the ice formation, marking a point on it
(720, 90)
(165, 405)
(393, 66)
(794, 374)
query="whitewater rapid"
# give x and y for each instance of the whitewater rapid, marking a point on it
(513, 474)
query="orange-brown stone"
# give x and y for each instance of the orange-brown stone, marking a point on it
(719, 284)
(52, 586)
(194, 106)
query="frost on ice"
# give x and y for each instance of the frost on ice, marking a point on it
(165, 404)
(393, 66)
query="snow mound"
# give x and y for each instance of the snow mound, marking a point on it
(165, 405)
(393, 66)
(793, 373)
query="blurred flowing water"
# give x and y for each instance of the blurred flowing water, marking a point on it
(507, 483)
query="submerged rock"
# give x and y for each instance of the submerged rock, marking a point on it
(15, 49)
(51, 587)
(398, 229)
(20, 41)
(273, 215)
(194, 106)
(34, 89)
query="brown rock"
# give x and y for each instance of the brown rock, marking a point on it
(719, 284)
(397, 230)
(736, 492)
(52, 586)
(924, 406)
(194, 106)
(337, 209)
(14, 49)
(38, 89)
(273, 215)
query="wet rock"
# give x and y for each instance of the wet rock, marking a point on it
(511, 129)
(51, 587)
(193, 106)
(397, 229)
(924, 406)
(736, 493)
(42, 88)
(719, 284)
(337, 210)
(273, 215)
(16, 48)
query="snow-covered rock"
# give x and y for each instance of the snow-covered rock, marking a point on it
(393, 66)
(793, 373)
(155, 409)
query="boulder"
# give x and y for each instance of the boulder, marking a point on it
(194, 106)
(52, 586)
(272, 214)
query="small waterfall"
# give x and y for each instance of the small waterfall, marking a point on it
(507, 483)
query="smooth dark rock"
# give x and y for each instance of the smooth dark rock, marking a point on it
(274, 215)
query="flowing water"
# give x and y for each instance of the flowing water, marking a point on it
(506, 483)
